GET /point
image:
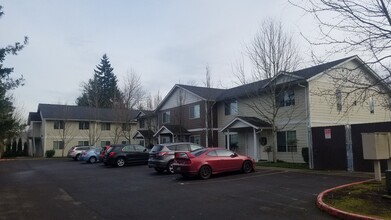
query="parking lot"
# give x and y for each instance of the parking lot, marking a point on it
(66, 189)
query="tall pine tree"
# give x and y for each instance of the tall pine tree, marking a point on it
(9, 125)
(102, 90)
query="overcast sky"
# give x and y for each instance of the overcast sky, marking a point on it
(165, 42)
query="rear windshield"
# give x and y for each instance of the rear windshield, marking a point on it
(198, 152)
(110, 149)
(157, 148)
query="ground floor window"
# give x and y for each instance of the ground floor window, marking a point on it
(195, 139)
(125, 142)
(141, 142)
(286, 141)
(104, 143)
(233, 141)
(58, 145)
(84, 143)
(165, 139)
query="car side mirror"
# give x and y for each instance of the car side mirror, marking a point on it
(234, 155)
(145, 150)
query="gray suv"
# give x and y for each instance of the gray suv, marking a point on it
(162, 156)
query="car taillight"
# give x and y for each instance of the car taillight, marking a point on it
(111, 154)
(161, 153)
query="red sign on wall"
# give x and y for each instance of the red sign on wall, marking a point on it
(327, 133)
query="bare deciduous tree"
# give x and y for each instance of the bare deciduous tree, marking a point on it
(133, 92)
(68, 131)
(361, 27)
(272, 54)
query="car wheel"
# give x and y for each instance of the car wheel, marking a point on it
(92, 160)
(205, 172)
(170, 167)
(159, 170)
(247, 167)
(120, 162)
(78, 157)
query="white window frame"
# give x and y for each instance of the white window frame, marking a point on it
(58, 145)
(195, 111)
(166, 116)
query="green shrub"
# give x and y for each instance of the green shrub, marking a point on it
(304, 153)
(50, 153)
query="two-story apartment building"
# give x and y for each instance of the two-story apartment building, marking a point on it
(60, 127)
(272, 118)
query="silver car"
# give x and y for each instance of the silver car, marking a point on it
(75, 152)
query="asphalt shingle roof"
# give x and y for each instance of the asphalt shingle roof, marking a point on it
(305, 74)
(204, 92)
(73, 112)
(255, 121)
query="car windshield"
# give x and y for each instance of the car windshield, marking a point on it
(198, 152)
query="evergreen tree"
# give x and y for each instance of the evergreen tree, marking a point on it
(20, 148)
(14, 145)
(25, 149)
(9, 125)
(102, 90)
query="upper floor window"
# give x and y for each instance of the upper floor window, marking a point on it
(59, 124)
(84, 125)
(285, 98)
(338, 99)
(195, 111)
(142, 123)
(105, 126)
(166, 117)
(231, 107)
(126, 127)
(371, 105)
(286, 141)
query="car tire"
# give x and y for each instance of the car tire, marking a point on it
(205, 172)
(159, 170)
(247, 167)
(92, 160)
(120, 162)
(78, 157)
(170, 167)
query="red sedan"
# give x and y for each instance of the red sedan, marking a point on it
(207, 161)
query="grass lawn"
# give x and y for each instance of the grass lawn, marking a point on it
(365, 199)
(283, 165)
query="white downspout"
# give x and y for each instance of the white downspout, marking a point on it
(255, 145)
(308, 125)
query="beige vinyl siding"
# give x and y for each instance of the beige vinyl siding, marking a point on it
(288, 118)
(179, 94)
(323, 106)
(75, 135)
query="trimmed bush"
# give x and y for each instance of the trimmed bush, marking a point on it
(304, 153)
(50, 153)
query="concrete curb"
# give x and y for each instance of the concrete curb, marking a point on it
(339, 213)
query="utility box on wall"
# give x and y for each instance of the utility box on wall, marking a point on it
(376, 146)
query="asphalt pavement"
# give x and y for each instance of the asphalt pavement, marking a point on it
(67, 189)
